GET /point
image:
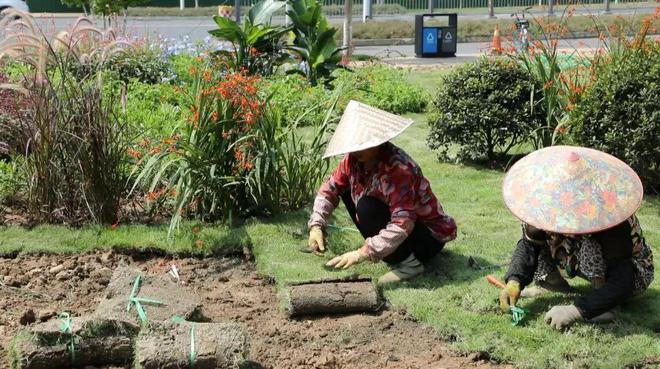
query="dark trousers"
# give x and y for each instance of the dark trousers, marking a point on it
(374, 216)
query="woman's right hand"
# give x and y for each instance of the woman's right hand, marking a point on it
(316, 241)
(509, 295)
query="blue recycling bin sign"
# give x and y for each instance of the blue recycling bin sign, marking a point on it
(430, 40)
(435, 41)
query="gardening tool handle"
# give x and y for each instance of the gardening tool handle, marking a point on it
(495, 282)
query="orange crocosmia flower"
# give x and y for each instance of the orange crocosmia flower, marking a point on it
(134, 153)
(114, 226)
(195, 229)
(151, 196)
(207, 76)
(214, 116)
(248, 166)
(225, 135)
(155, 150)
(199, 244)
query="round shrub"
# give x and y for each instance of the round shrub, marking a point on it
(482, 108)
(620, 112)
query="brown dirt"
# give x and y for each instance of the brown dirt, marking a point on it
(34, 287)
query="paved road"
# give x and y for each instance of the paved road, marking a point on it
(196, 28)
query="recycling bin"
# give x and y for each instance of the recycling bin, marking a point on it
(435, 41)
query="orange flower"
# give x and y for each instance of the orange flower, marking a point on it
(152, 196)
(548, 84)
(155, 150)
(195, 229)
(192, 71)
(207, 76)
(114, 226)
(134, 153)
(214, 116)
(199, 244)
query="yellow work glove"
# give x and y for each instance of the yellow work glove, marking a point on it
(348, 259)
(509, 295)
(316, 241)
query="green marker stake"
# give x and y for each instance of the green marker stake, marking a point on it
(517, 315)
(66, 328)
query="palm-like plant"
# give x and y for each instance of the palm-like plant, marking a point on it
(257, 45)
(315, 41)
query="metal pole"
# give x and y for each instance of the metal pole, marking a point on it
(551, 8)
(237, 10)
(607, 7)
(491, 9)
(182, 4)
(287, 19)
(430, 6)
(366, 10)
(348, 17)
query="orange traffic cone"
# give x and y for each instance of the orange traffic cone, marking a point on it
(497, 42)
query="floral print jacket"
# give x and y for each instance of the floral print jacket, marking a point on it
(398, 182)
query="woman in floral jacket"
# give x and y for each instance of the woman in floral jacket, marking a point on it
(385, 193)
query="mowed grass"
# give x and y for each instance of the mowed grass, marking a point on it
(193, 239)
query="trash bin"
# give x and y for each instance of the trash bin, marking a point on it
(435, 41)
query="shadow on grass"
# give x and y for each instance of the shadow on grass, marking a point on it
(449, 267)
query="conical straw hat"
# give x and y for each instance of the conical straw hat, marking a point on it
(572, 190)
(362, 127)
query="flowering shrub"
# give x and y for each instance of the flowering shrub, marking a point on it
(232, 156)
(618, 113)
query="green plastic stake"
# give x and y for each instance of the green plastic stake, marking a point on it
(517, 315)
(193, 355)
(65, 328)
(137, 301)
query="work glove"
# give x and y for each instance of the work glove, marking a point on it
(561, 316)
(316, 241)
(348, 259)
(509, 295)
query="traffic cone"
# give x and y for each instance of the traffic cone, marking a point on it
(497, 42)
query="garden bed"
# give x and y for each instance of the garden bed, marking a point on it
(35, 287)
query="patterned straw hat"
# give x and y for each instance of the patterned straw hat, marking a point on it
(572, 190)
(362, 127)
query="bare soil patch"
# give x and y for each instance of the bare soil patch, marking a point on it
(34, 287)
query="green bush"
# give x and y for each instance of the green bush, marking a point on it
(620, 113)
(484, 108)
(144, 64)
(293, 96)
(152, 110)
(385, 88)
(12, 181)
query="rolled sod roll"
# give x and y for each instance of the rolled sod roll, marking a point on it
(91, 341)
(332, 297)
(170, 345)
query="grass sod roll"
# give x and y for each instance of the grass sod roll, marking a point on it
(95, 342)
(170, 345)
(332, 297)
(174, 299)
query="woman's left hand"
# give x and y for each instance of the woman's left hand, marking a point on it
(348, 259)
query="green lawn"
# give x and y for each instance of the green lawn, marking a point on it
(455, 299)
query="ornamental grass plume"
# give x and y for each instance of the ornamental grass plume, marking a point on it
(73, 139)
